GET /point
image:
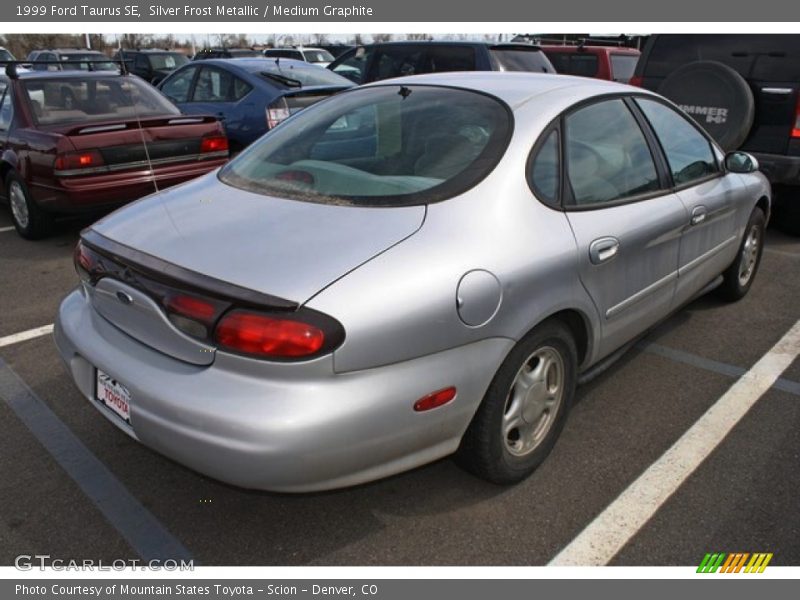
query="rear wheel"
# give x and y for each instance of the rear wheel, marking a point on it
(30, 221)
(524, 409)
(738, 278)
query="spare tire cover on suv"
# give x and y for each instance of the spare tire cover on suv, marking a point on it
(716, 96)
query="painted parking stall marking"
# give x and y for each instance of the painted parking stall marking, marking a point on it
(24, 336)
(137, 525)
(604, 537)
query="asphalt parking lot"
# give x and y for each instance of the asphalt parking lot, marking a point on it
(742, 497)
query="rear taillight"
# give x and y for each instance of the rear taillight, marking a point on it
(193, 315)
(636, 80)
(277, 112)
(216, 143)
(298, 335)
(796, 128)
(75, 161)
(85, 262)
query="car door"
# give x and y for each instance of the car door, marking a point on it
(178, 87)
(716, 206)
(626, 221)
(220, 93)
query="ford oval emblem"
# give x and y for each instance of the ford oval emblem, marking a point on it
(124, 298)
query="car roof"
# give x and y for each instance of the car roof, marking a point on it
(253, 64)
(69, 74)
(514, 88)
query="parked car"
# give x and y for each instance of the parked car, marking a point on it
(336, 50)
(66, 59)
(249, 95)
(745, 91)
(77, 141)
(421, 266)
(207, 53)
(614, 63)
(315, 56)
(374, 62)
(152, 65)
(5, 56)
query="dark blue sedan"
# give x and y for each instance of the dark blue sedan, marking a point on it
(249, 95)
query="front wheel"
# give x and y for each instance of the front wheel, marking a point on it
(739, 276)
(524, 409)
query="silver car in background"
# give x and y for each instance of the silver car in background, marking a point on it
(411, 269)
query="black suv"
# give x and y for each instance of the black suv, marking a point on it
(228, 53)
(745, 91)
(152, 65)
(374, 62)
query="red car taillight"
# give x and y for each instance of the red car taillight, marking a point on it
(72, 161)
(636, 80)
(216, 143)
(268, 336)
(277, 112)
(85, 262)
(194, 316)
(796, 128)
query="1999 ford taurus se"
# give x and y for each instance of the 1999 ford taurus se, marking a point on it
(410, 269)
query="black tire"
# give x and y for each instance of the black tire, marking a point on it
(735, 284)
(716, 96)
(30, 221)
(486, 450)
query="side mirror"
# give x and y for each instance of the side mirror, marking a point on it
(741, 162)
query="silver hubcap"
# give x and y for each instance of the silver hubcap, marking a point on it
(747, 261)
(19, 208)
(533, 401)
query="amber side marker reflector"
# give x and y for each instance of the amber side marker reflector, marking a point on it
(435, 399)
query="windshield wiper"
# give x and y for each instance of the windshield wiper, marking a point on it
(287, 81)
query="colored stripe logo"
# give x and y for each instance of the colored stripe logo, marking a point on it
(735, 562)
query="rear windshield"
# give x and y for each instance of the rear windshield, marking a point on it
(167, 61)
(315, 56)
(521, 59)
(59, 101)
(389, 145)
(623, 66)
(301, 75)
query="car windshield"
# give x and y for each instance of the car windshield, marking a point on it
(315, 56)
(86, 62)
(5, 54)
(391, 145)
(521, 59)
(276, 71)
(167, 61)
(113, 98)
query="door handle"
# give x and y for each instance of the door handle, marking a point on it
(603, 249)
(698, 215)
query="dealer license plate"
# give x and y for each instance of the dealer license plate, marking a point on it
(114, 395)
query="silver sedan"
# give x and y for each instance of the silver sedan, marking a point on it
(408, 270)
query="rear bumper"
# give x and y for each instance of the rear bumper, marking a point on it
(779, 168)
(281, 427)
(93, 192)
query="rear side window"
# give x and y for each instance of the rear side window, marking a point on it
(387, 145)
(608, 158)
(518, 59)
(446, 58)
(688, 152)
(213, 85)
(6, 112)
(544, 170)
(623, 66)
(398, 61)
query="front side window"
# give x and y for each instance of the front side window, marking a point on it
(688, 152)
(608, 158)
(380, 146)
(354, 66)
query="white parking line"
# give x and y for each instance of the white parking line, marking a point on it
(23, 336)
(4, 229)
(604, 537)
